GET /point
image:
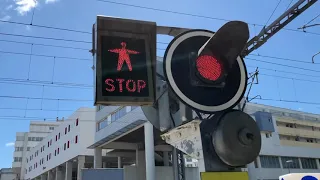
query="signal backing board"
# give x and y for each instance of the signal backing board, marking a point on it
(125, 61)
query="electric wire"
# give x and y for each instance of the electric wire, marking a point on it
(273, 12)
(48, 38)
(283, 65)
(193, 15)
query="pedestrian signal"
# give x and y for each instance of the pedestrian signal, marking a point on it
(125, 61)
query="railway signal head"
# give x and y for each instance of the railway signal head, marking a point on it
(205, 70)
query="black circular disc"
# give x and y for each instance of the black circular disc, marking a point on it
(232, 149)
(205, 99)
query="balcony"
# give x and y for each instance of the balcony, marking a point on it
(298, 132)
(299, 143)
(300, 122)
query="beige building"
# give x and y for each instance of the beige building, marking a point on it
(290, 142)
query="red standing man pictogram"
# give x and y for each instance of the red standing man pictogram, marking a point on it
(123, 56)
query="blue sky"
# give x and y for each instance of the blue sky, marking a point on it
(80, 15)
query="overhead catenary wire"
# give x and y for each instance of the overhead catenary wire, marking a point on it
(142, 7)
(283, 65)
(43, 55)
(281, 71)
(282, 58)
(192, 15)
(274, 10)
(46, 83)
(46, 27)
(48, 38)
(288, 101)
(41, 44)
(43, 98)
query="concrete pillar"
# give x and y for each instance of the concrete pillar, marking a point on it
(119, 162)
(165, 158)
(149, 151)
(137, 157)
(318, 163)
(300, 163)
(68, 174)
(58, 173)
(97, 158)
(50, 175)
(81, 161)
(104, 164)
(43, 176)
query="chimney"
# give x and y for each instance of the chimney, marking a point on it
(57, 119)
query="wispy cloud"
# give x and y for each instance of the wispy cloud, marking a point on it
(24, 6)
(9, 144)
(9, 7)
(51, 1)
(5, 18)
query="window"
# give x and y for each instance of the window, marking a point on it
(100, 107)
(29, 139)
(256, 164)
(59, 135)
(69, 128)
(28, 148)
(48, 143)
(17, 159)
(56, 137)
(76, 140)
(65, 131)
(50, 156)
(18, 148)
(310, 140)
(308, 163)
(51, 128)
(58, 150)
(68, 144)
(269, 162)
(55, 152)
(77, 122)
(65, 145)
(47, 157)
(290, 163)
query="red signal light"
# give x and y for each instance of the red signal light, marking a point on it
(209, 67)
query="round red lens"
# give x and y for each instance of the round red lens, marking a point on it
(209, 67)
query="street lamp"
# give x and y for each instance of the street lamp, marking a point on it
(289, 161)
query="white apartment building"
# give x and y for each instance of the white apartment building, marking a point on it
(62, 153)
(290, 142)
(38, 130)
(290, 139)
(7, 174)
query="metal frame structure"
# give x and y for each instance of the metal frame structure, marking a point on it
(267, 32)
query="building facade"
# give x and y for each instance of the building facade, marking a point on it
(7, 174)
(64, 151)
(290, 142)
(38, 130)
(290, 139)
